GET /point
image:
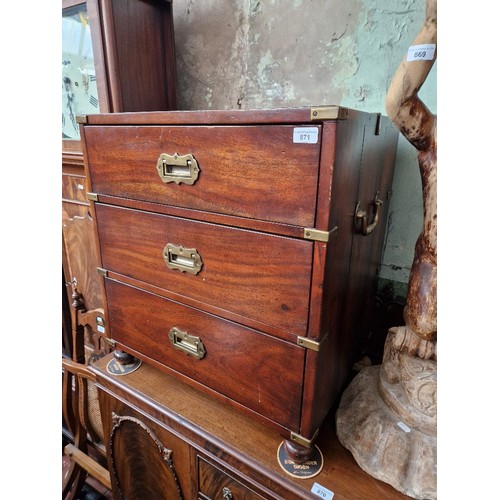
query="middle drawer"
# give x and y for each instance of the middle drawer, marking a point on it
(252, 277)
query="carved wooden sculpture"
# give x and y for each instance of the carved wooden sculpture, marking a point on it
(387, 416)
(418, 125)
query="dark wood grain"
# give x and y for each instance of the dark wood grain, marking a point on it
(239, 363)
(378, 158)
(286, 115)
(247, 171)
(272, 279)
(249, 273)
(136, 454)
(213, 483)
(82, 254)
(238, 446)
(143, 66)
(135, 70)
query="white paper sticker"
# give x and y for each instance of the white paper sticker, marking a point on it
(322, 492)
(80, 186)
(403, 426)
(305, 135)
(423, 52)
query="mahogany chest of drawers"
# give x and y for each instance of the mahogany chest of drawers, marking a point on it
(239, 249)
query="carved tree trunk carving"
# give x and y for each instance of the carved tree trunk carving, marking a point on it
(387, 415)
(418, 125)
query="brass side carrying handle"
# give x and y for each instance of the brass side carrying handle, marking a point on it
(186, 260)
(178, 168)
(188, 344)
(361, 215)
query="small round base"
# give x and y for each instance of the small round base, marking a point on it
(306, 470)
(116, 368)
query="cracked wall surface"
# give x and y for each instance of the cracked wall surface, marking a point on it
(278, 53)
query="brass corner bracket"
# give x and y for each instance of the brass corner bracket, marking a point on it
(311, 233)
(329, 113)
(297, 438)
(81, 119)
(314, 345)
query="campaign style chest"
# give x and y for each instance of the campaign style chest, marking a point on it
(239, 249)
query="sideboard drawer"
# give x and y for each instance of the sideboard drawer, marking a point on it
(217, 485)
(248, 171)
(247, 273)
(237, 362)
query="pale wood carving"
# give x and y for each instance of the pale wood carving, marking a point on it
(387, 416)
(418, 125)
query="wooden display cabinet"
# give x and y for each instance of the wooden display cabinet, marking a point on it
(118, 55)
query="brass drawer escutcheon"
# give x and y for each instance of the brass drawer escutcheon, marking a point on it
(178, 168)
(188, 344)
(186, 260)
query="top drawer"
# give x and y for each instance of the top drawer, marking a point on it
(253, 171)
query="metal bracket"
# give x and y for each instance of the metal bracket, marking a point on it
(110, 342)
(378, 123)
(297, 438)
(329, 113)
(318, 235)
(92, 197)
(308, 343)
(81, 119)
(102, 272)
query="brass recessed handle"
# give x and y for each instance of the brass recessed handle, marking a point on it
(361, 217)
(188, 344)
(186, 260)
(178, 168)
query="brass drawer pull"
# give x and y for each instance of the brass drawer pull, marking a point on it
(186, 260)
(178, 168)
(188, 344)
(361, 215)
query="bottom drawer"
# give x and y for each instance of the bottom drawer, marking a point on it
(258, 371)
(215, 484)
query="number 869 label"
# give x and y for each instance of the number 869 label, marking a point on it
(424, 52)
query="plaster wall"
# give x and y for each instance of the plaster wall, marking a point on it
(277, 53)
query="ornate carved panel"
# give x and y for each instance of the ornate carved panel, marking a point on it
(141, 466)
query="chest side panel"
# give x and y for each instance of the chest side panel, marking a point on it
(247, 171)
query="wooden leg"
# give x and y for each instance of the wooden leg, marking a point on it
(123, 357)
(298, 453)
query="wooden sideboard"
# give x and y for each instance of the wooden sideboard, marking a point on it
(166, 439)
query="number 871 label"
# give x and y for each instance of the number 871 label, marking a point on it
(424, 52)
(305, 135)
